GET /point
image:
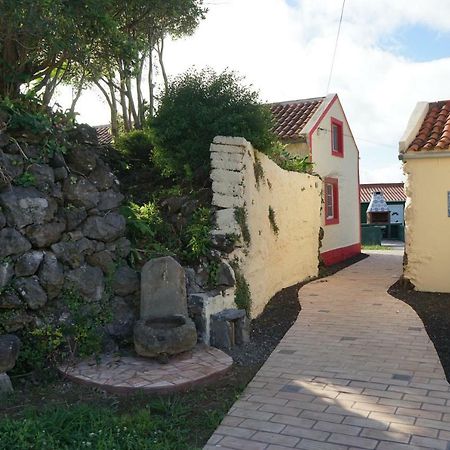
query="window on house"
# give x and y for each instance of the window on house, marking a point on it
(337, 138)
(331, 201)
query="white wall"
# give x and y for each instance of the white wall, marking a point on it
(347, 231)
(272, 261)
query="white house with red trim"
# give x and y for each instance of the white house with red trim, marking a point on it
(318, 128)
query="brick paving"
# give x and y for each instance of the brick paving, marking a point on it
(129, 373)
(356, 371)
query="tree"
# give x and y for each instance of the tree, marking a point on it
(122, 87)
(90, 42)
(198, 106)
(41, 40)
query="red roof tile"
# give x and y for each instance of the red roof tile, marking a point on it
(434, 134)
(104, 135)
(290, 117)
(392, 192)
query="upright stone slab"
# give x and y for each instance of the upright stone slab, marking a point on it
(163, 288)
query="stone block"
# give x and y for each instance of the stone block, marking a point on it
(9, 351)
(163, 288)
(226, 222)
(229, 327)
(217, 163)
(231, 140)
(227, 176)
(227, 201)
(5, 384)
(235, 190)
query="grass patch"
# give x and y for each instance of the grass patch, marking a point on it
(376, 247)
(64, 416)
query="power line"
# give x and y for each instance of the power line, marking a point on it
(358, 138)
(335, 46)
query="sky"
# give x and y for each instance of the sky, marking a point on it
(390, 55)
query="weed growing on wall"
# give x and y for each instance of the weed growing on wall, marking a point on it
(242, 295)
(288, 161)
(197, 235)
(258, 170)
(240, 214)
(27, 179)
(79, 334)
(272, 220)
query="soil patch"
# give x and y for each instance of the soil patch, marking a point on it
(434, 310)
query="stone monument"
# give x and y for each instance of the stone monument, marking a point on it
(164, 327)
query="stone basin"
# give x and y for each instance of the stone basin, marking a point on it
(169, 335)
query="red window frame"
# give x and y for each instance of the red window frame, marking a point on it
(334, 218)
(339, 126)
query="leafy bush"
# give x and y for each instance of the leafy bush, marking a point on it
(150, 235)
(48, 128)
(135, 145)
(51, 343)
(288, 161)
(198, 106)
(196, 236)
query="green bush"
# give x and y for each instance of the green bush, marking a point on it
(289, 161)
(196, 236)
(135, 145)
(198, 106)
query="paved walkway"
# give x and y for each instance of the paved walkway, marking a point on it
(356, 371)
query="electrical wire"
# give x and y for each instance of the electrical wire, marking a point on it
(335, 46)
(358, 139)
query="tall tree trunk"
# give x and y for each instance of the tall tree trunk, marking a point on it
(160, 51)
(124, 105)
(151, 86)
(79, 89)
(140, 97)
(131, 105)
(114, 114)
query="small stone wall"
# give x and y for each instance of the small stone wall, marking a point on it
(270, 215)
(60, 228)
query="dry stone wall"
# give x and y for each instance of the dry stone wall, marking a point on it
(270, 216)
(60, 228)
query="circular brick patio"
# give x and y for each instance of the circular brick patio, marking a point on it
(124, 374)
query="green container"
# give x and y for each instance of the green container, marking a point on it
(370, 235)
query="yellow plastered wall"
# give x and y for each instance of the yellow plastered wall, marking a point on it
(272, 260)
(427, 225)
(347, 231)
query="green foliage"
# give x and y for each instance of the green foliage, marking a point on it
(196, 236)
(149, 233)
(153, 236)
(240, 214)
(135, 145)
(29, 121)
(288, 161)
(242, 295)
(80, 335)
(27, 179)
(272, 220)
(198, 106)
(258, 171)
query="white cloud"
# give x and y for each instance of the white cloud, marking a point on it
(285, 52)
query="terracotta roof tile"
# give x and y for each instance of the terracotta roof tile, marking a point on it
(435, 130)
(290, 117)
(392, 192)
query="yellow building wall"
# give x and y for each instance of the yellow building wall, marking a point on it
(346, 169)
(427, 225)
(273, 259)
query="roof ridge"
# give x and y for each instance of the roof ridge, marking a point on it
(300, 100)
